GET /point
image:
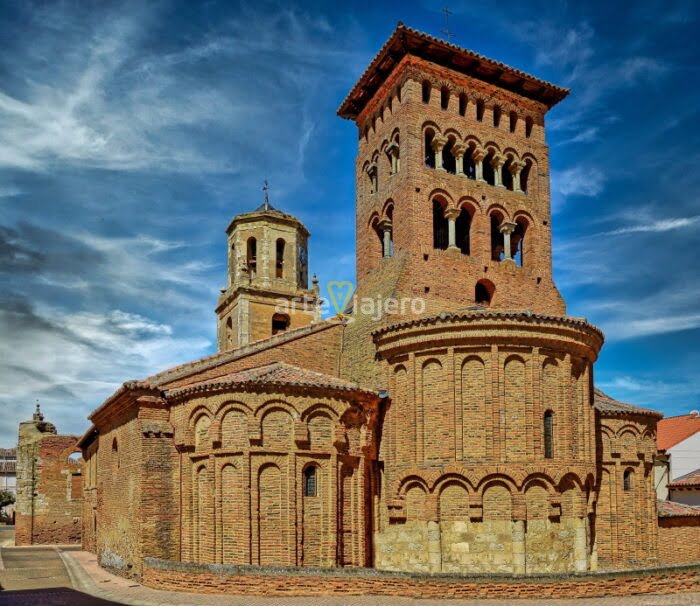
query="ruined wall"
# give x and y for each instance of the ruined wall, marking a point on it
(49, 486)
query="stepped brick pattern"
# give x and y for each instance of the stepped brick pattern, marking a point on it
(458, 432)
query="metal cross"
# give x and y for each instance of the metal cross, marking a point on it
(446, 30)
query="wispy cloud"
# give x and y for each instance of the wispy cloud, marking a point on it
(658, 226)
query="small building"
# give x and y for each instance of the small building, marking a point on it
(678, 441)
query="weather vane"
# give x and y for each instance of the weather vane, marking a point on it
(446, 30)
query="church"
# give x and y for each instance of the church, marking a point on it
(468, 438)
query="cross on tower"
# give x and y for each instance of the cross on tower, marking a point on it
(446, 30)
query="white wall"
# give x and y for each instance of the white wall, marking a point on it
(685, 456)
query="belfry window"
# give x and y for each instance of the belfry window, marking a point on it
(548, 434)
(479, 110)
(444, 97)
(449, 162)
(487, 169)
(310, 485)
(469, 163)
(513, 121)
(252, 257)
(517, 241)
(497, 253)
(429, 151)
(483, 292)
(440, 228)
(279, 258)
(525, 175)
(280, 323)
(462, 228)
(426, 91)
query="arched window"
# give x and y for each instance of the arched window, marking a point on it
(426, 91)
(429, 152)
(506, 175)
(310, 485)
(483, 292)
(548, 433)
(497, 252)
(528, 126)
(627, 480)
(525, 175)
(479, 110)
(517, 241)
(449, 162)
(496, 115)
(462, 104)
(462, 228)
(252, 257)
(440, 229)
(229, 331)
(279, 258)
(488, 173)
(280, 323)
(444, 97)
(513, 121)
(469, 164)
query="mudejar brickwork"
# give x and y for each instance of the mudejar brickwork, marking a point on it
(465, 439)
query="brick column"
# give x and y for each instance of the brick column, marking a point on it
(497, 163)
(438, 144)
(478, 157)
(515, 167)
(451, 215)
(458, 152)
(506, 228)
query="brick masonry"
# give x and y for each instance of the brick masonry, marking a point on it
(426, 432)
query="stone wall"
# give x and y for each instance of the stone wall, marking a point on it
(255, 581)
(49, 486)
(679, 540)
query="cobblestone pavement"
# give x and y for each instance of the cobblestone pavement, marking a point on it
(93, 586)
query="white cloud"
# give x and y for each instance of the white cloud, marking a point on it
(659, 226)
(577, 181)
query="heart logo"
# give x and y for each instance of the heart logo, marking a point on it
(340, 294)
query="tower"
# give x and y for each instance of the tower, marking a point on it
(452, 177)
(267, 290)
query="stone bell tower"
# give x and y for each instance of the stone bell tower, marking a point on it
(452, 178)
(267, 290)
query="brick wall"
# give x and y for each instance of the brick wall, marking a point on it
(50, 487)
(253, 581)
(679, 540)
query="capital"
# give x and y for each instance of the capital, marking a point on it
(507, 227)
(458, 150)
(516, 166)
(497, 161)
(392, 149)
(451, 214)
(384, 225)
(438, 143)
(478, 154)
(371, 169)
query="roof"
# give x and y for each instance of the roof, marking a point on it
(689, 480)
(8, 453)
(408, 41)
(607, 405)
(8, 466)
(273, 375)
(671, 509)
(673, 430)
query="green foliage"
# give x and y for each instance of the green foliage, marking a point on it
(6, 498)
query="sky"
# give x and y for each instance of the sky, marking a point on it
(131, 133)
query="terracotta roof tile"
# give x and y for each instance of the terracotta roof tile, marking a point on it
(406, 40)
(274, 375)
(673, 430)
(607, 405)
(689, 480)
(670, 509)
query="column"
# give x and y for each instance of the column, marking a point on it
(458, 150)
(392, 151)
(385, 228)
(438, 144)
(515, 167)
(497, 162)
(451, 215)
(478, 157)
(507, 228)
(372, 174)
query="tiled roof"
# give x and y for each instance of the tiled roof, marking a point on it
(607, 405)
(192, 368)
(670, 509)
(689, 480)
(274, 375)
(475, 315)
(406, 40)
(673, 430)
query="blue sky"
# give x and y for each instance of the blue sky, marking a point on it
(130, 133)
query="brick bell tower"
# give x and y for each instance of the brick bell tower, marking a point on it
(452, 178)
(267, 290)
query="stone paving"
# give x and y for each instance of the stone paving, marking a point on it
(93, 586)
